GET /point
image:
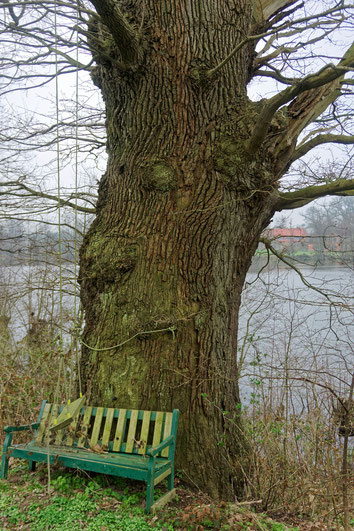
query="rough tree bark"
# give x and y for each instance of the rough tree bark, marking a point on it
(188, 189)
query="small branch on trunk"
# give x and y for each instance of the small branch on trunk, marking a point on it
(299, 198)
(124, 35)
(210, 73)
(327, 75)
(171, 329)
(271, 34)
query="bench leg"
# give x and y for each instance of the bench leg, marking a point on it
(170, 494)
(4, 466)
(149, 495)
(5, 458)
(171, 479)
(150, 484)
(32, 466)
(163, 500)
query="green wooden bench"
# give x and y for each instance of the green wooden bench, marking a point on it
(121, 442)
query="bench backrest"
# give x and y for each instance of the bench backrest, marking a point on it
(130, 431)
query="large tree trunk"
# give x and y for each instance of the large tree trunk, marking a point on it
(180, 211)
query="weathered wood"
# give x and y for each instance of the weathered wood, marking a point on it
(158, 428)
(85, 427)
(69, 412)
(162, 477)
(71, 437)
(59, 437)
(144, 432)
(96, 427)
(42, 426)
(118, 438)
(131, 433)
(52, 416)
(163, 500)
(133, 459)
(167, 432)
(107, 428)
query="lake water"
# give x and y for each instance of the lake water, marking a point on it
(301, 328)
(32, 293)
(288, 325)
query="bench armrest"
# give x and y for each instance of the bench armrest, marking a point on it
(33, 426)
(157, 449)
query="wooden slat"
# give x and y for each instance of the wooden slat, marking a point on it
(163, 500)
(162, 428)
(42, 426)
(118, 438)
(167, 432)
(70, 430)
(144, 431)
(59, 436)
(52, 415)
(132, 429)
(96, 426)
(158, 428)
(163, 476)
(107, 428)
(85, 427)
(68, 413)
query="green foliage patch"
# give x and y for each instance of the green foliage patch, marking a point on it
(75, 503)
(102, 503)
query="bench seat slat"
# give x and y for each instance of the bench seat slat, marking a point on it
(125, 465)
(134, 460)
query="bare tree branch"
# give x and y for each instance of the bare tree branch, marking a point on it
(321, 139)
(15, 189)
(299, 198)
(329, 77)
